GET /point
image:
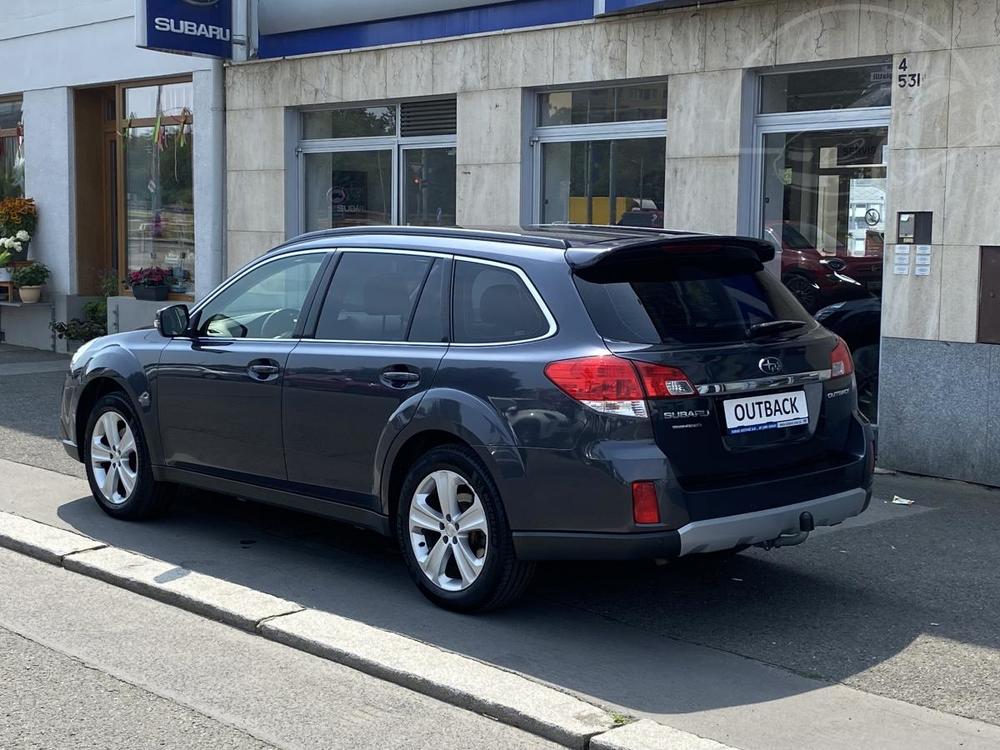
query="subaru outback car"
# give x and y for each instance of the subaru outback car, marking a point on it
(490, 399)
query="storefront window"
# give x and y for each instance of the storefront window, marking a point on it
(348, 188)
(615, 104)
(604, 182)
(840, 88)
(429, 187)
(603, 155)
(379, 165)
(11, 150)
(157, 140)
(363, 122)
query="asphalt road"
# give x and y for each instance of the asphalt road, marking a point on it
(88, 665)
(899, 603)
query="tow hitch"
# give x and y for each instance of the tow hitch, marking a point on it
(791, 538)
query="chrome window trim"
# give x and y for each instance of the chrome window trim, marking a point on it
(553, 326)
(764, 384)
(253, 266)
(547, 314)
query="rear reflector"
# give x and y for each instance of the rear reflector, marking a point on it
(841, 363)
(612, 385)
(645, 508)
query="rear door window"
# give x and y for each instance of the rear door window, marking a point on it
(493, 305)
(373, 296)
(686, 301)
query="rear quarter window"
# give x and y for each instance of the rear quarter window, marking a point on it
(492, 305)
(685, 301)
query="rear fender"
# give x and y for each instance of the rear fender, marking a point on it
(471, 421)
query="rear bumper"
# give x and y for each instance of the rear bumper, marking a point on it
(698, 536)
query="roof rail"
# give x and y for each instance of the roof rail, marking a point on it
(442, 232)
(615, 229)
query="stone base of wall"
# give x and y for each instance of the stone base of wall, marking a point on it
(939, 409)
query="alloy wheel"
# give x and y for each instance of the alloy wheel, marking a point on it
(449, 531)
(114, 459)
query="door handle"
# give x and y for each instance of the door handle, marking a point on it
(267, 370)
(400, 378)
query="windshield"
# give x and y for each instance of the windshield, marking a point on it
(688, 301)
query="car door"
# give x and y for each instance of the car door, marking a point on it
(219, 390)
(380, 335)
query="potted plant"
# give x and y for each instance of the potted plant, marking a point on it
(29, 281)
(4, 265)
(18, 218)
(150, 283)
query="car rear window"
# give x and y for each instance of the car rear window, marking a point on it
(685, 300)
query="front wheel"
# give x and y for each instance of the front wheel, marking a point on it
(454, 533)
(117, 462)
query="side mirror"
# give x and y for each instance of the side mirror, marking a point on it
(172, 321)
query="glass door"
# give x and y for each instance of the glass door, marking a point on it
(823, 204)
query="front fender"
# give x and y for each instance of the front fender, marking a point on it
(470, 420)
(122, 366)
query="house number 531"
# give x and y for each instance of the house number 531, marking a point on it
(905, 79)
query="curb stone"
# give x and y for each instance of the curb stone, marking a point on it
(444, 675)
(648, 735)
(452, 678)
(221, 600)
(46, 543)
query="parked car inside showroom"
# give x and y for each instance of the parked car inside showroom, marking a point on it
(819, 278)
(490, 399)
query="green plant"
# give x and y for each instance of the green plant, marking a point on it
(94, 322)
(4, 259)
(34, 274)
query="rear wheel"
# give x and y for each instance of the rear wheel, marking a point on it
(803, 289)
(117, 462)
(454, 533)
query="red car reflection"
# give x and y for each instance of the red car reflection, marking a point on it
(820, 278)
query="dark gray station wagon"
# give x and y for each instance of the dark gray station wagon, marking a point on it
(491, 399)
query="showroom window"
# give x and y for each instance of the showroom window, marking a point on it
(156, 134)
(600, 155)
(11, 149)
(384, 164)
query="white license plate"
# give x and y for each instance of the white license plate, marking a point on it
(769, 412)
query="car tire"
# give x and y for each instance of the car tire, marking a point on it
(475, 569)
(116, 458)
(866, 361)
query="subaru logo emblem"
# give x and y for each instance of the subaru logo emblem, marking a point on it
(770, 365)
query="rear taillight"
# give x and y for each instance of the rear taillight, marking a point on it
(662, 381)
(841, 363)
(612, 385)
(645, 507)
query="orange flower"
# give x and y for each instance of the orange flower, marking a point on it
(18, 213)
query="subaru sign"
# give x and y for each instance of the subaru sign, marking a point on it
(191, 27)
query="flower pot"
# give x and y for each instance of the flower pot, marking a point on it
(151, 293)
(4, 275)
(29, 294)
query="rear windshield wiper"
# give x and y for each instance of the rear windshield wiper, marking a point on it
(774, 326)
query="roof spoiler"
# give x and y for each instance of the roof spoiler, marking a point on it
(580, 258)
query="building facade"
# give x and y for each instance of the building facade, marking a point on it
(122, 150)
(818, 123)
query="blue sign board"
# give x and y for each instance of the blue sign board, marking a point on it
(193, 27)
